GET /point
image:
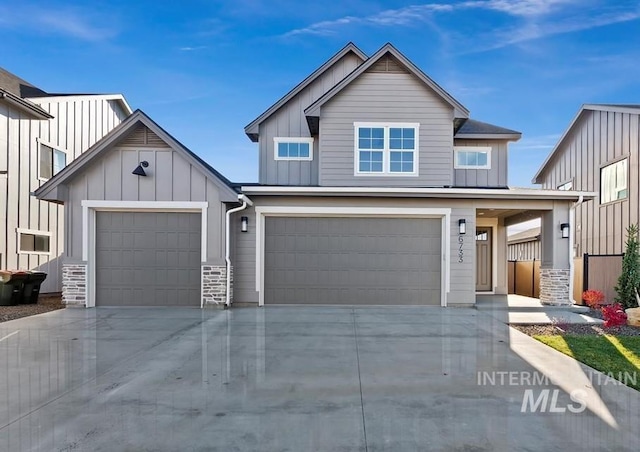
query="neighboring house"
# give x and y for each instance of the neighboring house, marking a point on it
(524, 246)
(375, 187)
(40, 133)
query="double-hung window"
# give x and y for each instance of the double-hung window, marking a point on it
(386, 149)
(293, 148)
(613, 182)
(52, 161)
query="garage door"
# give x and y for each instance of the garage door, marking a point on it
(148, 259)
(377, 261)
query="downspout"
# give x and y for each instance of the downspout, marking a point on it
(227, 252)
(572, 222)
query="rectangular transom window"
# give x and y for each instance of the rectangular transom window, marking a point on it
(386, 149)
(566, 186)
(52, 161)
(613, 182)
(468, 157)
(295, 148)
(33, 242)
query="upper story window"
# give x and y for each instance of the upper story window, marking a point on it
(52, 160)
(468, 157)
(386, 149)
(566, 186)
(613, 182)
(296, 148)
(33, 242)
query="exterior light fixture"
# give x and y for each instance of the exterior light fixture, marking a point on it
(139, 171)
(244, 224)
(564, 228)
(462, 226)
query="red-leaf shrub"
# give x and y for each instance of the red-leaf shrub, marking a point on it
(593, 298)
(614, 315)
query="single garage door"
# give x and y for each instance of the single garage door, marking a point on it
(376, 261)
(148, 259)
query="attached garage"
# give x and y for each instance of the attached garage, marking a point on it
(352, 260)
(148, 258)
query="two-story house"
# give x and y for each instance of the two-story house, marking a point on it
(375, 187)
(40, 133)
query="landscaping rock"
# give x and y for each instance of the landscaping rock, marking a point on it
(633, 316)
(577, 329)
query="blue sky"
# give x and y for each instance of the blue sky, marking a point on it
(204, 69)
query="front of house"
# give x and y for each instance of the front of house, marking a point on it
(375, 188)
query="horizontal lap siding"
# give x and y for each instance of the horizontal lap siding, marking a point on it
(386, 97)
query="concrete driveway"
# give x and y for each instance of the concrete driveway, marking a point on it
(297, 379)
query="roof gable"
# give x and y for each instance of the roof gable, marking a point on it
(252, 128)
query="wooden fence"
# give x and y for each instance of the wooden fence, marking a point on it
(524, 278)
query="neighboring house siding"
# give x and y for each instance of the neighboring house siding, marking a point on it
(496, 176)
(524, 251)
(77, 124)
(290, 121)
(598, 138)
(386, 97)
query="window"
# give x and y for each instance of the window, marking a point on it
(613, 182)
(293, 148)
(467, 157)
(386, 149)
(52, 161)
(482, 236)
(33, 242)
(566, 186)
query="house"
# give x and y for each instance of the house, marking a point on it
(375, 187)
(524, 246)
(40, 133)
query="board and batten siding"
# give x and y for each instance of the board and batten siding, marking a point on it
(599, 138)
(170, 177)
(386, 97)
(496, 176)
(77, 125)
(290, 121)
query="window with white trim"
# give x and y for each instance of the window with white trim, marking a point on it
(293, 148)
(472, 157)
(33, 242)
(613, 182)
(52, 161)
(566, 186)
(386, 149)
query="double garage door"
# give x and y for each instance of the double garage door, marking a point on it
(369, 261)
(148, 259)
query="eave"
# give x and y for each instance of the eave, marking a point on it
(24, 105)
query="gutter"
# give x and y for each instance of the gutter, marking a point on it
(23, 104)
(572, 221)
(227, 253)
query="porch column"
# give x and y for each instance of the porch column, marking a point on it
(555, 271)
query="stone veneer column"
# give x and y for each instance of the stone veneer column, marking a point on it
(74, 284)
(554, 286)
(214, 285)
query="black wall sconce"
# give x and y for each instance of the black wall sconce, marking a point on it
(139, 171)
(244, 224)
(462, 226)
(564, 229)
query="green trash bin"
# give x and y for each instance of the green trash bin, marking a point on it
(31, 287)
(12, 287)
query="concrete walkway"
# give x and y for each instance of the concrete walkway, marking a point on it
(298, 379)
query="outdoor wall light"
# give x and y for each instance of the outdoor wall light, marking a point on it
(244, 224)
(564, 228)
(462, 226)
(139, 171)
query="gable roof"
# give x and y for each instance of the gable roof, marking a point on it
(252, 128)
(472, 129)
(530, 235)
(137, 117)
(459, 110)
(17, 86)
(615, 108)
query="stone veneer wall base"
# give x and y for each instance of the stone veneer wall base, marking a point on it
(74, 285)
(214, 285)
(554, 287)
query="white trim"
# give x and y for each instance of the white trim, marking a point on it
(493, 224)
(39, 143)
(79, 97)
(386, 158)
(478, 149)
(373, 212)
(33, 232)
(278, 140)
(90, 207)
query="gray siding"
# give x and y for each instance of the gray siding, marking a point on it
(77, 124)
(599, 137)
(496, 176)
(525, 251)
(290, 121)
(386, 97)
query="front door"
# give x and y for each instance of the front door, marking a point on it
(484, 259)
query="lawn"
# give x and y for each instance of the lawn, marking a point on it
(611, 355)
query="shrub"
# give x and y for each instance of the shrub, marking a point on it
(630, 278)
(593, 298)
(614, 315)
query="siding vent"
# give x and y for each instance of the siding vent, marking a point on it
(141, 136)
(388, 63)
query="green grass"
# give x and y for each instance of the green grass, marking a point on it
(612, 355)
